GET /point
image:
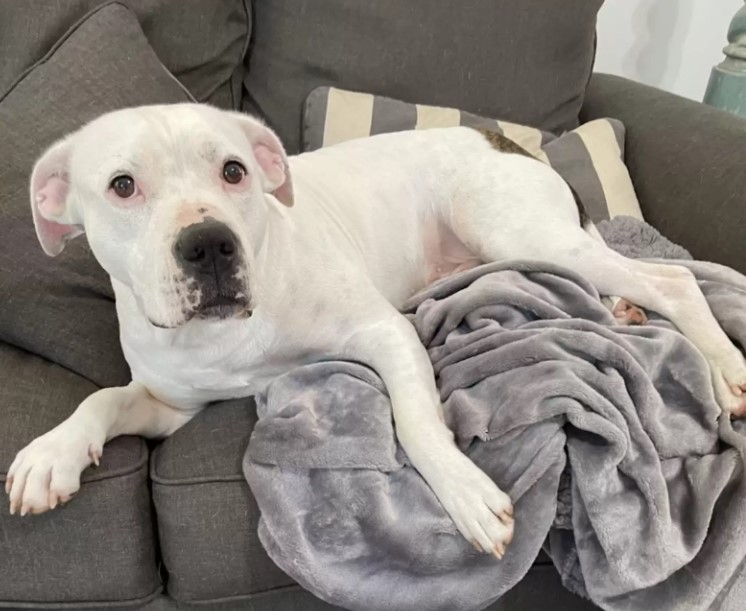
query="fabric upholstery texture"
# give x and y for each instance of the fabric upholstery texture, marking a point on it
(686, 161)
(590, 158)
(202, 43)
(101, 547)
(207, 517)
(527, 62)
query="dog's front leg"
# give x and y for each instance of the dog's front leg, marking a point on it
(480, 510)
(47, 471)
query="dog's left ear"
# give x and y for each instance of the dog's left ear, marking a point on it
(271, 156)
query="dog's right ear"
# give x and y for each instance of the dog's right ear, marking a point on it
(53, 217)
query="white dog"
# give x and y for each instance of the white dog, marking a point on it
(232, 264)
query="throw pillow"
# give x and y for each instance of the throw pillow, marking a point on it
(590, 158)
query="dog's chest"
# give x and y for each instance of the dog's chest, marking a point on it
(212, 362)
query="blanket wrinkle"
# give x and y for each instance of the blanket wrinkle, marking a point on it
(607, 438)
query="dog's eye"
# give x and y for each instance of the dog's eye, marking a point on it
(123, 186)
(233, 172)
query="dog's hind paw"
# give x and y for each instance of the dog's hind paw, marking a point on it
(628, 314)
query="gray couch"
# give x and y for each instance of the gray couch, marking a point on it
(174, 524)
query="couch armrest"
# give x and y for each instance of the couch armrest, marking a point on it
(687, 162)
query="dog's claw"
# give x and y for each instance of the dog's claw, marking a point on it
(506, 516)
(498, 551)
(95, 456)
(476, 546)
(8, 484)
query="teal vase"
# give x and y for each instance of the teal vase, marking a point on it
(727, 86)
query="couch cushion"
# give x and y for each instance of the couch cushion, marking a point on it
(527, 62)
(207, 517)
(62, 308)
(202, 43)
(99, 547)
(590, 158)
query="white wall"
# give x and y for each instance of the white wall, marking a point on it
(671, 44)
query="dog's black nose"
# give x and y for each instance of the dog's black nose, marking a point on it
(209, 247)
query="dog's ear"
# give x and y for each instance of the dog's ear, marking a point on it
(53, 219)
(271, 156)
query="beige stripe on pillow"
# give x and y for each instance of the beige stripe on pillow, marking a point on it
(348, 116)
(527, 137)
(433, 116)
(600, 141)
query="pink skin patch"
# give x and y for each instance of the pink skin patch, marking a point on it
(273, 166)
(50, 202)
(191, 215)
(55, 233)
(50, 199)
(271, 163)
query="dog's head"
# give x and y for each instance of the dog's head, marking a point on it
(174, 202)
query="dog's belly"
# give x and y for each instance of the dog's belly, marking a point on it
(443, 253)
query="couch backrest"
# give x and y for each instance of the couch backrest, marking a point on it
(526, 61)
(201, 42)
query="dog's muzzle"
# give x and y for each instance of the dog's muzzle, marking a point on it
(210, 255)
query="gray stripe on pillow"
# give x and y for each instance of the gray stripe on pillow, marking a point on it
(569, 157)
(546, 138)
(313, 109)
(619, 132)
(392, 116)
(469, 120)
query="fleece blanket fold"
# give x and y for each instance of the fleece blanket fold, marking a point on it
(607, 438)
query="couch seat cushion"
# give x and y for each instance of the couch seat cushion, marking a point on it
(526, 62)
(98, 548)
(207, 516)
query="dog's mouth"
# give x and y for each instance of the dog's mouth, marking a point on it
(224, 306)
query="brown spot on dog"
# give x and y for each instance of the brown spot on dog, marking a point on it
(503, 143)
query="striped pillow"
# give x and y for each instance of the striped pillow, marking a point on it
(590, 158)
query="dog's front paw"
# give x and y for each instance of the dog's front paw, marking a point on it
(47, 471)
(481, 511)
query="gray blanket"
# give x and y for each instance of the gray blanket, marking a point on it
(608, 439)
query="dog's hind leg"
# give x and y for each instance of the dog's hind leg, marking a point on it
(625, 312)
(670, 290)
